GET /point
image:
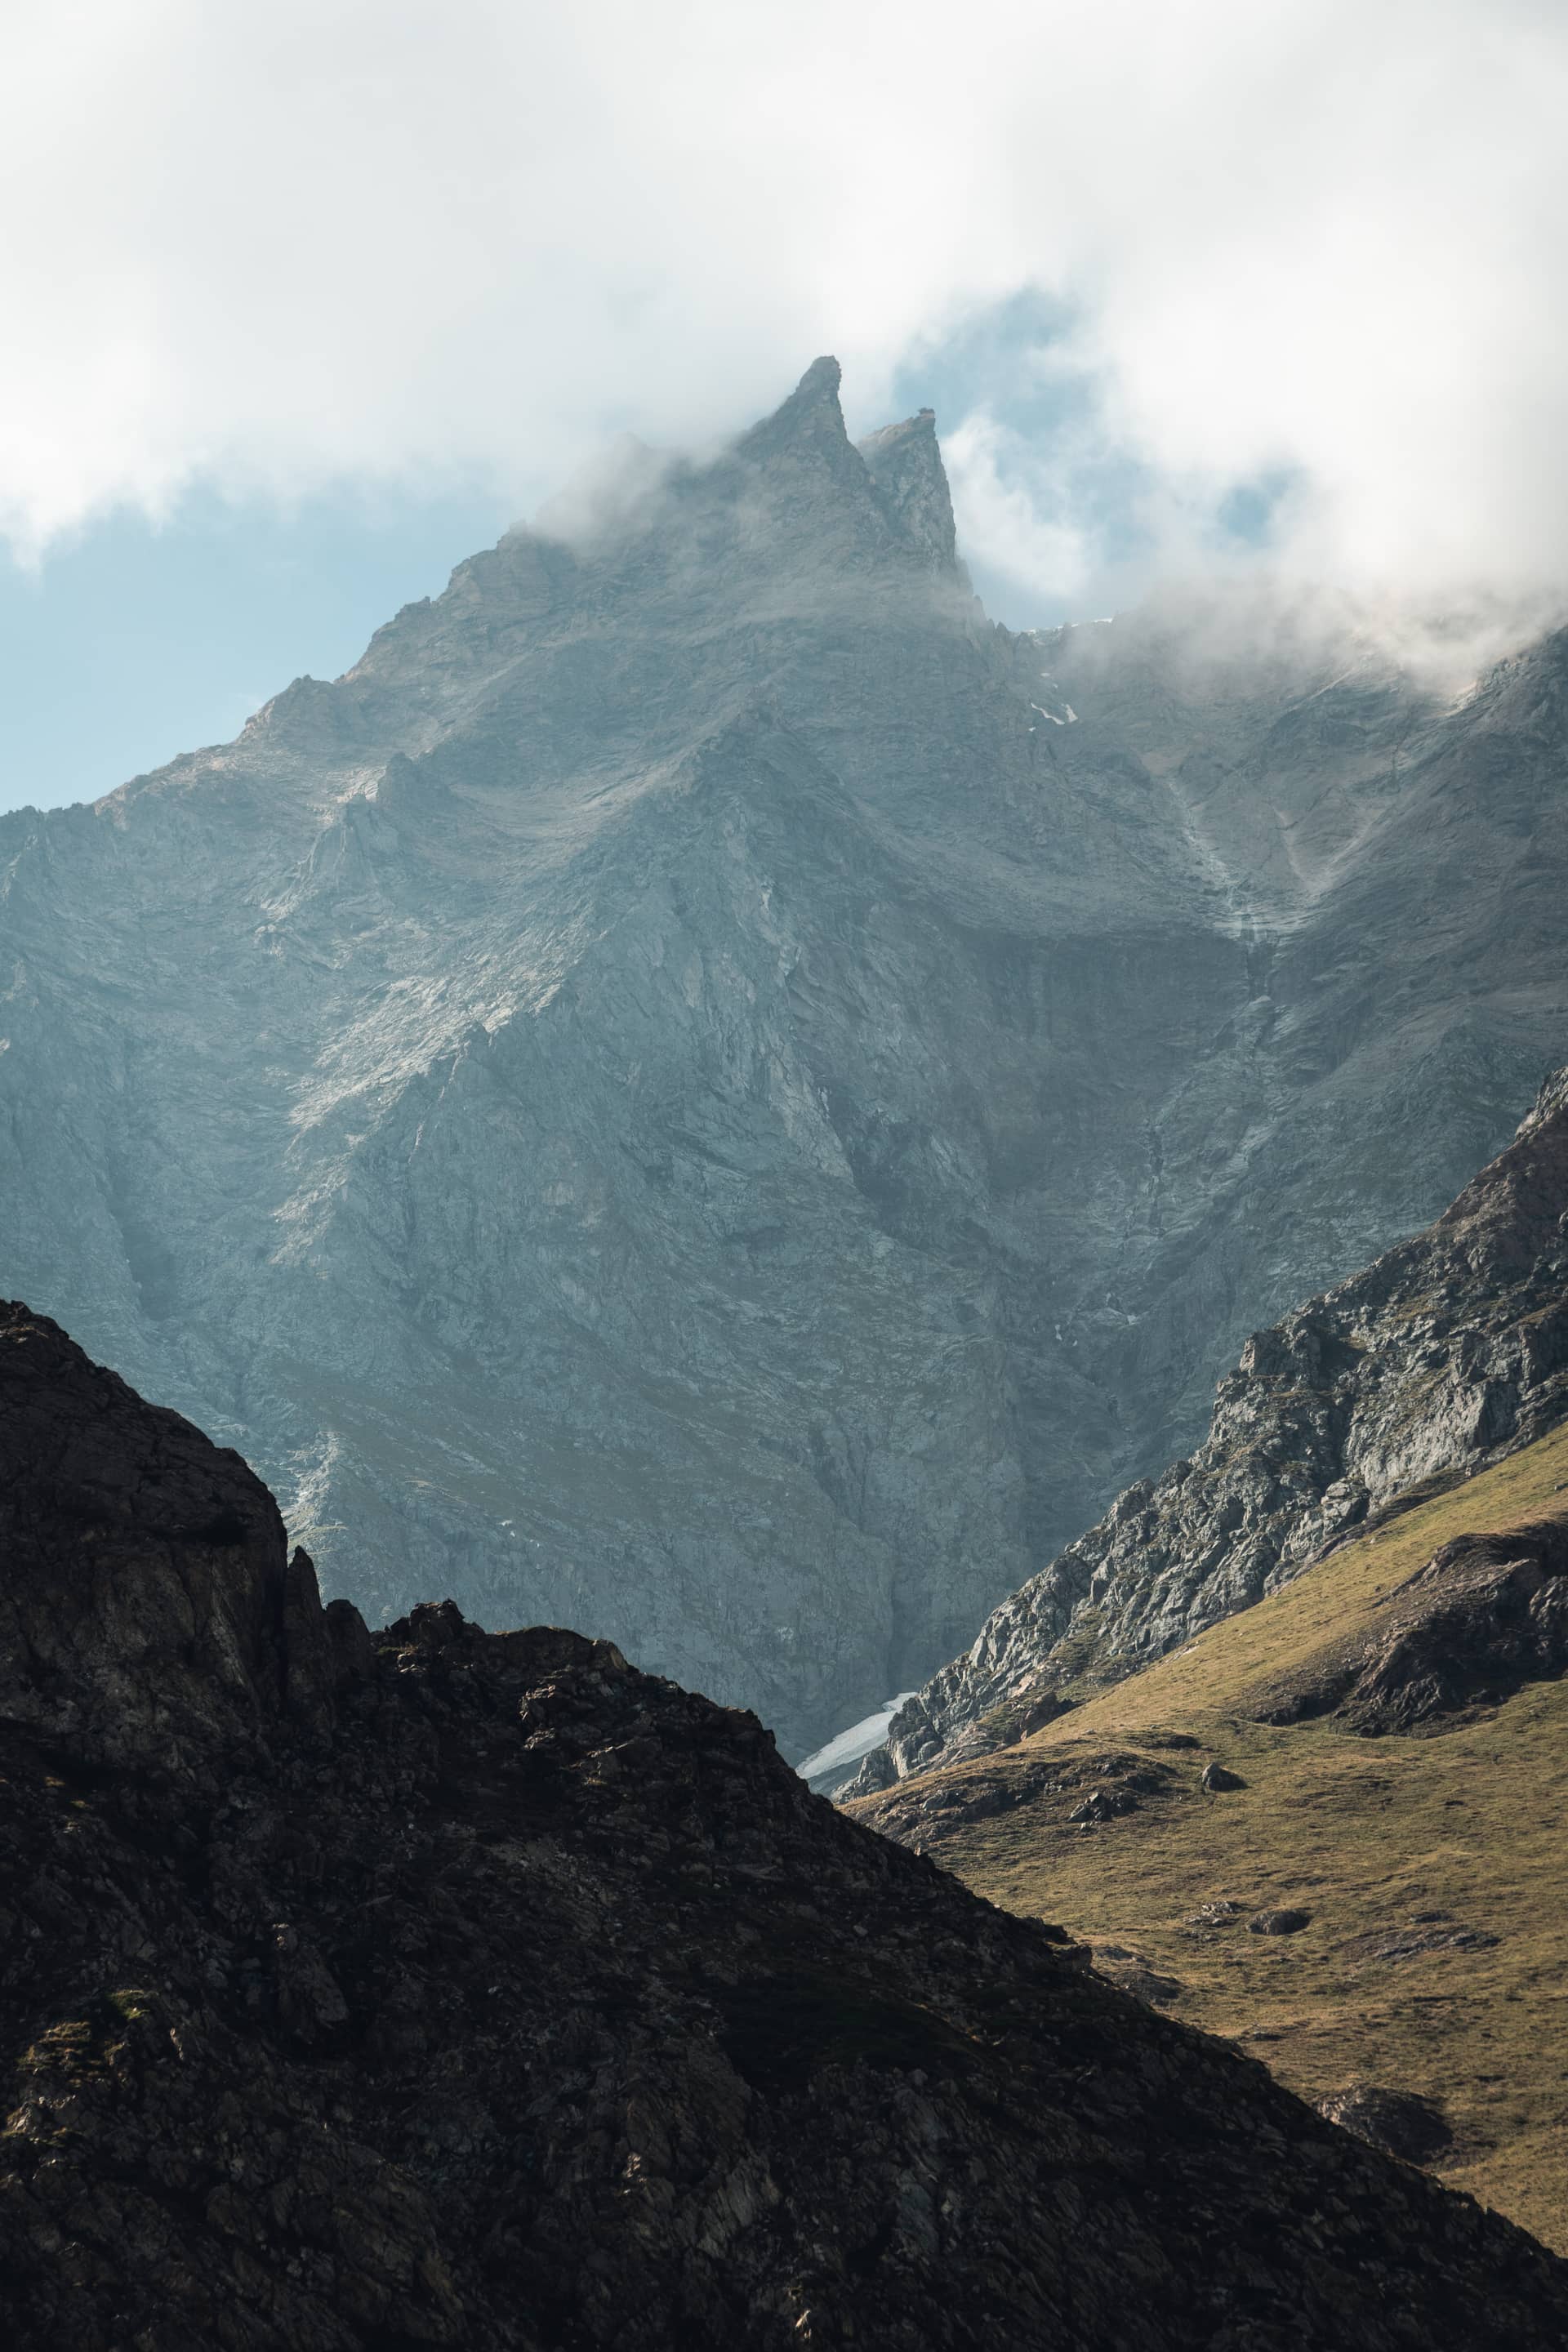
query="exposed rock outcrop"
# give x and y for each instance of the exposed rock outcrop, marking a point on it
(1445, 1355)
(1485, 1616)
(467, 1989)
(705, 1092)
(1405, 2124)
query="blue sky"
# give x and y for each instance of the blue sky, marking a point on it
(142, 640)
(303, 303)
(137, 639)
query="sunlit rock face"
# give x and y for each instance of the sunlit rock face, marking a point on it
(1445, 1355)
(706, 1093)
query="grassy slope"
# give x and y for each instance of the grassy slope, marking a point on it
(1362, 1834)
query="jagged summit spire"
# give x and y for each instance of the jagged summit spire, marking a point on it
(905, 463)
(901, 464)
(811, 416)
(821, 380)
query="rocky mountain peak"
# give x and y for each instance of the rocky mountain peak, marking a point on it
(818, 387)
(904, 461)
(810, 417)
(894, 478)
(703, 1089)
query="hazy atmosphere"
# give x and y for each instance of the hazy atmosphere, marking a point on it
(312, 299)
(784, 1177)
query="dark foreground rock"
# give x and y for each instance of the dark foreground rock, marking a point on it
(453, 1988)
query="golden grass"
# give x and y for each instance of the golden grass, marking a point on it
(1362, 1834)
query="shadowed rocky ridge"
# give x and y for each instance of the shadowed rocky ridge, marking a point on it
(1446, 1354)
(705, 1092)
(475, 1989)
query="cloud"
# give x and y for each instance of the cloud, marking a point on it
(1022, 520)
(1297, 241)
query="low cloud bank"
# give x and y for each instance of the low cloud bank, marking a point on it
(1311, 257)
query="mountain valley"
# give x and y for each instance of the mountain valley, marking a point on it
(1286, 1736)
(705, 1092)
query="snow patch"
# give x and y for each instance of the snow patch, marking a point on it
(1064, 715)
(850, 1746)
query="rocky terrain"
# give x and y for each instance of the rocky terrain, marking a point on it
(705, 1092)
(1485, 1615)
(1446, 1354)
(1329, 1828)
(441, 1987)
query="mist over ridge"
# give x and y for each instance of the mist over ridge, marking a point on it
(705, 1092)
(1286, 256)
(1191, 291)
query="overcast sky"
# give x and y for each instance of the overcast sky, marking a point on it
(301, 301)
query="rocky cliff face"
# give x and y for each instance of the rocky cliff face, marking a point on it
(449, 1988)
(1446, 1354)
(705, 1092)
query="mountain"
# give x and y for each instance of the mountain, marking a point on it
(1330, 1829)
(1445, 1355)
(439, 1988)
(705, 1092)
